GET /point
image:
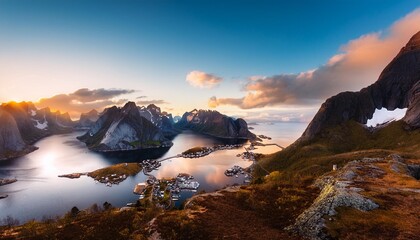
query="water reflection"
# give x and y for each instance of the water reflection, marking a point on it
(39, 192)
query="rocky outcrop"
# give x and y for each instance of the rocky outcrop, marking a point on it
(412, 116)
(396, 87)
(337, 190)
(121, 129)
(215, 124)
(87, 120)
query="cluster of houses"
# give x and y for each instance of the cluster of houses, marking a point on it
(264, 137)
(164, 191)
(235, 171)
(150, 165)
(111, 179)
(247, 155)
(204, 151)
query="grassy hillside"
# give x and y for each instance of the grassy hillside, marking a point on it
(338, 145)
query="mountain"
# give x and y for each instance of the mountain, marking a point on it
(88, 119)
(215, 124)
(162, 120)
(396, 87)
(22, 124)
(119, 129)
(11, 142)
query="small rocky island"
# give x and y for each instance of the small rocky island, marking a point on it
(110, 175)
(5, 181)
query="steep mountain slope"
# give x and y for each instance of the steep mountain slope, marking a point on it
(88, 119)
(215, 124)
(376, 183)
(24, 122)
(11, 142)
(162, 120)
(124, 128)
(390, 91)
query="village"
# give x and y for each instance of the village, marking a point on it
(204, 151)
(163, 192)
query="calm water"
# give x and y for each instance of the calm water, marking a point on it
(39, 192)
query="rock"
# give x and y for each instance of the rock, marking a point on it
(396, 87)
(412, 116)
(215, 124)
(5, 181)
(336, 192)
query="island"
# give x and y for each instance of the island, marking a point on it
(110, 175)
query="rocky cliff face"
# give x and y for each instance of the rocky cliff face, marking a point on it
(412, 116)
(35, 124)
(11, 142)
(22, 124)
(87, 120)
(120, 129)
(215, 124)
(397, 87)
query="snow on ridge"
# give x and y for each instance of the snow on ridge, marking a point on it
(383, 115)
(41, 126)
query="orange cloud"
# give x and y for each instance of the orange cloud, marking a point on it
(357, 65)
(84, 100)
(203, 80)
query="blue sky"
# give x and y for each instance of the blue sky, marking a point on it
(57, 47)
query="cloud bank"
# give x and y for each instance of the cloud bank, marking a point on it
(203, 80)
(148, 102)
(357, 65)
(84, 100)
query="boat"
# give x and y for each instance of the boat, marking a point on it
(131, 204)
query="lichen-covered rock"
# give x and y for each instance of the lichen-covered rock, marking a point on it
(337, 191)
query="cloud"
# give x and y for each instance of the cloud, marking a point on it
(203, 80)
(357, 65)
(84, 100)
(148, 102)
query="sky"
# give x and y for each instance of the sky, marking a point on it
(262, 60)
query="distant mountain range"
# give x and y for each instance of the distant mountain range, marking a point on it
(22, 124)
(115, 129)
